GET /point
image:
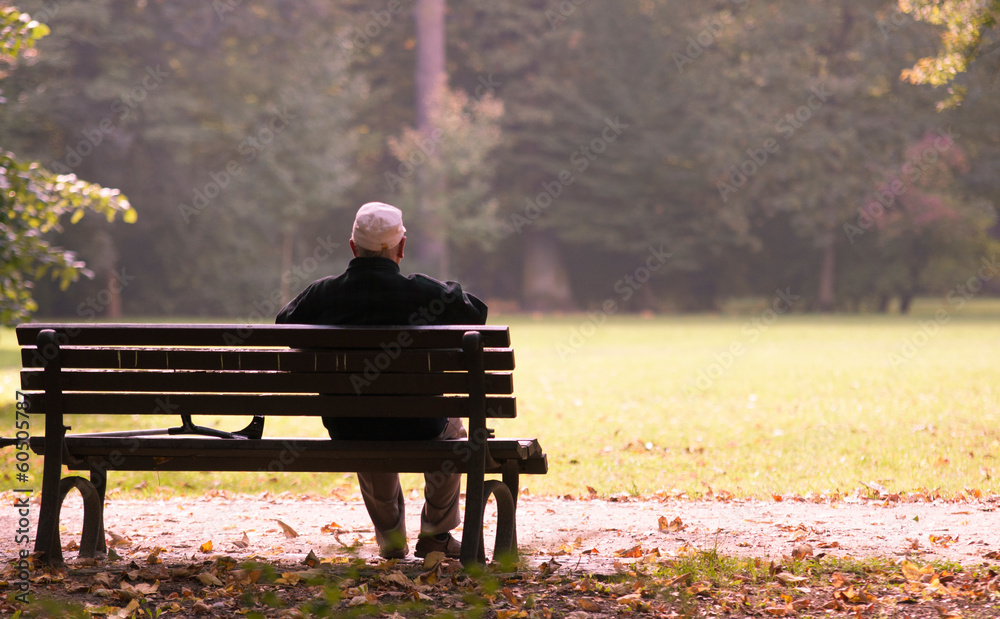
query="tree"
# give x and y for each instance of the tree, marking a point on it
(970, 32)
(34, 201)
(228, 123)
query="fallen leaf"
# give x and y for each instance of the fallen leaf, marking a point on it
(789, 579)
(242, 543)
(588, 605)
(630, 553)
(914, 573)
(802, 551)
(154, 557)
(671, 526)
(311, 559)
(118, 540)
(360, 600)
(207, 578)
(287, 530)
(103, 578)
(400, 579)
(510, 597)
(333, 527)
(127, 611)
(432, 559)
(206, 547)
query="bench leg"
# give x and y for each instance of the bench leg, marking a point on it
(99, 478)
(93, 519)
(505, 545)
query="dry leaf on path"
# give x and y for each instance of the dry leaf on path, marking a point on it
(311, 559)
(206, 547)
(671, 526)
(333, 527)
(287, 530)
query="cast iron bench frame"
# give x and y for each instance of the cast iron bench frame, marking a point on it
(270, 370)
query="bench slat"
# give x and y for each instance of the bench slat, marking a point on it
(408, 360)
(266, 382)
(287, 405)
(295, 336)
(181, 453)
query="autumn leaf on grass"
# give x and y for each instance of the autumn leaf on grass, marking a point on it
(671, 526)
(287, 530)
(789, 579)
(914, 573)
(699, 588)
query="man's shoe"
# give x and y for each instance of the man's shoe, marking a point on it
(450, 546)
(395, 552)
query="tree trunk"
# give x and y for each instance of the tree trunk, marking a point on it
(115, 295)
(826, 272)
(431, 248)
(545, 280)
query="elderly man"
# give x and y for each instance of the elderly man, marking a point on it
(372, 291)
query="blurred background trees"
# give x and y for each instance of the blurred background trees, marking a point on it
(738, 147)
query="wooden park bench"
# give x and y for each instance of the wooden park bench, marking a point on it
(127, 370)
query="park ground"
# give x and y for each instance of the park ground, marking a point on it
(744, 464)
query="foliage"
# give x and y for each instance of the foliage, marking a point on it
(970, 32)
(34, 200)
(467, 132)
(624, 131)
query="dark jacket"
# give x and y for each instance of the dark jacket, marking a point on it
(373, 292)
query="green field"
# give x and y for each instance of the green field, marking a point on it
(684, 404)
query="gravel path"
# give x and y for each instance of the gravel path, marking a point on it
(582, 535)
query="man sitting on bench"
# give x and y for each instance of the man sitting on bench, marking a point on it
(372, 291)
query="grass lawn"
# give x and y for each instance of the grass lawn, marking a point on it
(751, 404)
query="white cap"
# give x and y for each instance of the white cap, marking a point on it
(378, 226)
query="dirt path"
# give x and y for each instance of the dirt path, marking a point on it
(583, 535)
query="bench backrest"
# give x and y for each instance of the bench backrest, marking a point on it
(203, 369)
